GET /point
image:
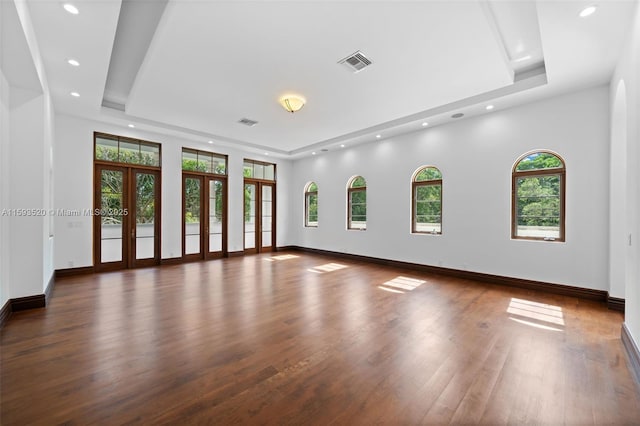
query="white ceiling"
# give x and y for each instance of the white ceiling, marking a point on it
(211, 63)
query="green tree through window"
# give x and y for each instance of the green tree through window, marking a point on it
(427, 201)
(357, 202)
(538, 197)
(311, 205)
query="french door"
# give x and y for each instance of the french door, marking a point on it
(259, 216)
(126, 217)
(204, 217)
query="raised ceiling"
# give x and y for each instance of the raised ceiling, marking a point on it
(197, 67)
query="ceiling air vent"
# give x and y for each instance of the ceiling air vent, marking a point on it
(356, 61)
(247, 122)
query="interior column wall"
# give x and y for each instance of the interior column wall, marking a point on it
(4, 188)
(625, 84)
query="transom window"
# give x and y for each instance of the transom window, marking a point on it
(194, 160)
(426, 190)
(357, 203)
(538, 197)
(118, 149)
(259, 170)
(311, 205)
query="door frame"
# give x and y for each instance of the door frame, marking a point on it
(260, 183)
(128, 259)
(204, 179)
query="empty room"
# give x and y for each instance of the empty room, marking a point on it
(319, 212)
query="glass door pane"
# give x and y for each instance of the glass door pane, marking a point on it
(192, 201)
(249, 216)
(111, 216)
(216, 212)
(267, 215)
(145, 211)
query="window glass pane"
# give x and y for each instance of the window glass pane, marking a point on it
(428, 173)
(204, 162)
(106, 149)
(192, 197)
(428, 208)
(189, 160)
(358, 210)
(538, 206)
(111, 218)
(129, 152)
(247, 169)
(258, 171)
(215, 215)
(312, 209)
(145, 215)
(219, 165)
(358, 182)
(249, 216)
(149, 154)
(539, 160)
(312, 187)
(269, 172)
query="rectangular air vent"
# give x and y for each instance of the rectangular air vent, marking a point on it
(247, 122)
(356, 62)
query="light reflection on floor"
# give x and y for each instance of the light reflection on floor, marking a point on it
(281, 257)
(328, 267)
(534, 314)
(401, 284)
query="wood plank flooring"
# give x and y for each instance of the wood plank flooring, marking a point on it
(292, 338)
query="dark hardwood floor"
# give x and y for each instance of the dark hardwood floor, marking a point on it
(291, 338)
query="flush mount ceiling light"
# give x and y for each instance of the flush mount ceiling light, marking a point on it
(588, 11)
(292, 103)
(75, 94)
(132, 126)
(71, 8)
(425, 124)
(489, 107)
(73, 62)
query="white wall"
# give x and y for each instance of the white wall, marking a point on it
(26, 246)
(73, 157)
(475, 157)
(625, 94)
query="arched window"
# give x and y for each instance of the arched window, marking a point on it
(357, 203)
(538, 197)
(311, 205)
(426, 201)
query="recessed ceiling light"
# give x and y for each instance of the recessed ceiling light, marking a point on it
(342, 146)
(313, 153)
(266, 153)
(378, 136)
(588, 11)
(457, 115)
(75, 94)
(71, 8)
(489, 107)
(73, 62)
(132, 126)
(425, 124)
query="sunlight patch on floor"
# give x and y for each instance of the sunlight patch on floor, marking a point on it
(536, 313)
(401, 284)
(327, 267)
(281, 257)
